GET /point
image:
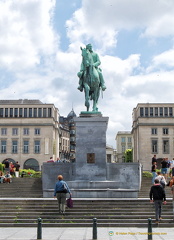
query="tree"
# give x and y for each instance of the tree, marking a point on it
(128, 155)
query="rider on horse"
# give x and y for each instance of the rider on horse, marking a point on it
(96, 63)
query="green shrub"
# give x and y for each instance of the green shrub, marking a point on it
(29, 173)
(147, 174)
(2, 166)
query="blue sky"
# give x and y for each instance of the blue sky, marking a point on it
(40, 53)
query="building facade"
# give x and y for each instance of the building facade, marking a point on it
(110, 154)
(153, 132)
(64, 143)
(29, 132)
(124, 141)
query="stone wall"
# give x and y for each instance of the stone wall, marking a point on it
(123, 180)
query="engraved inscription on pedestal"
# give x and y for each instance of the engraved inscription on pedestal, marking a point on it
(90, 157)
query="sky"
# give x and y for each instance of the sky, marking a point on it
(40, 53)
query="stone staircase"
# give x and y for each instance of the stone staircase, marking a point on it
(22, 187)
(24, 212)
(109, 213)
(145, 188)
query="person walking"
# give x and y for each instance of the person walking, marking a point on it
(161, 179)
(17, 166)
(157, 195)
(153, 170)
(154, 159)
(164, 164)
(60, 190)
(7, 165)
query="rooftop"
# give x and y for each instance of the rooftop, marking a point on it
(21, 101)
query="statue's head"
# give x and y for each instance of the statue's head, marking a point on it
(89, 47)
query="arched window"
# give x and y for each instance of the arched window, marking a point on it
(10, 160)
(31, 163)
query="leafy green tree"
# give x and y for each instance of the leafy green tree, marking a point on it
(128, 155)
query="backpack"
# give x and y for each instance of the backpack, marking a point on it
(162, 183)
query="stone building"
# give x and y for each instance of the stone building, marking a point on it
(110, 154)
(123, 142)
(29, 132)
(64, 143)
(153, 132)
(72, 132)
(68, 135)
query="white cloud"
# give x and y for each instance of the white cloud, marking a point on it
(162, 61)
(26, 32)
(102, 20)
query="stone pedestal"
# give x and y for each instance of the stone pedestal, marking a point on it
(90, 176)
(91, 147)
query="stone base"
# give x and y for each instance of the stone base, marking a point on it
(91, 148)
(90, 114)
(123, 180)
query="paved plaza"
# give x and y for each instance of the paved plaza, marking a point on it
(86, 233)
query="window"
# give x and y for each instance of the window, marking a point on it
(44, 112)
(30, 112)
(37, 131)
(14, 131)
(37, 146)
(154, 131)
(1, 112)
(72, 139)
(20, 112)
(170, 111)
(49, 112)
(72, 132)
(72, 147)
(26, 146)
(35, 112)
(11, 112)
(166, 146)
(129, 139)
(25, 112)
(154, 145)
(16, 112)
(123, 158)
(165, 131)
(40, 112)
(14, 146)
(26, 131)
(146, 112)
(3, 131)
(156, 112)
(161, 111)
(129, 146)
(109, 158)
(123, 139)
(123, 148)
(3, 146)
(166, 111)
(151, 111)
(141, 112)
(6, 112)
